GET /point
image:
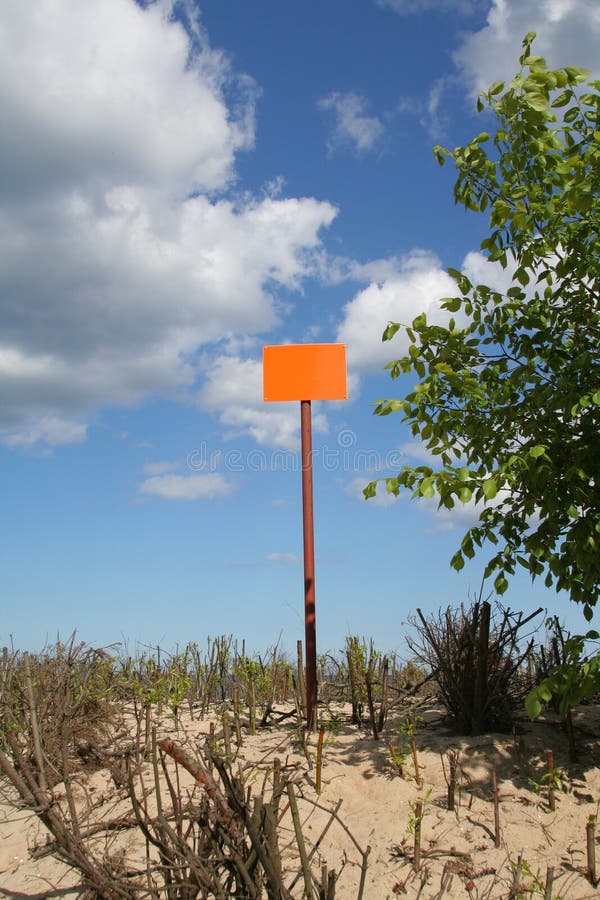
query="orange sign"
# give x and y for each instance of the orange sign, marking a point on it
(304, 372)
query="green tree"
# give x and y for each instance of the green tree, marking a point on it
(509, 391)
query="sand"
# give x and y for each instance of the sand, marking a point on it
(459, 857)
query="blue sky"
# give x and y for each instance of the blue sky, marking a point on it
(181, 184)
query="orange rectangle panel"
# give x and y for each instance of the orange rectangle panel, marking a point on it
(304, 372)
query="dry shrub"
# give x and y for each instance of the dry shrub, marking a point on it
(476, 659)
(56, 703)
(215, 840)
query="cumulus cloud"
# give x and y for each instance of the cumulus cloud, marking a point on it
(103, 92)
(286, 558)
(413, 7)
(352, 126)
(356, 486)
(160, 467)
(120, 254)
(462, 515)
(431, 112)
(50, 431)
(187, 487)
(418, 285)
(233, 390)
(433, 118)
(417, 452)
(568, 32)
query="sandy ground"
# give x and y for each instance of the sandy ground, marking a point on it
(459, 856)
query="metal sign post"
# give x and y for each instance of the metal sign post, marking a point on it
(308, 535)
(306, 372)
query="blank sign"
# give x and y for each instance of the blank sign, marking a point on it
(304, 372)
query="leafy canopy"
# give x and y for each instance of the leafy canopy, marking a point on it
(509, 391)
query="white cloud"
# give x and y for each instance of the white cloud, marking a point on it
(336, 269)
(103, 92)
(159, 468)
(461, 516)
(356, 486)
(117, 257)
(431, 113)
(416, 451)
(51, 431)
(417, 286)
(187, 487)
(234, 391)
(412, 7)
(434, 119)
(352, 127)
(287, 558)
(568, 33)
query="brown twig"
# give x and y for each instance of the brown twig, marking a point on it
(496, 809)
(201, 775)
(319, 761)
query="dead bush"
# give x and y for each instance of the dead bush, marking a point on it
(219, 838)
(476, 659)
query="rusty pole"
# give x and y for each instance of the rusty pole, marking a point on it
(309, 564)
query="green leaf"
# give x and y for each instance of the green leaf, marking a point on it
(457, 562)
(562, 99)
(390, 331)
(511, 391)
(533, 706)
(490, 488)
(576, 73)
(452, 304)
(370, 490)
(537, 100)
(500, 584)
(426, 488)
(537, 451)
(464, 494)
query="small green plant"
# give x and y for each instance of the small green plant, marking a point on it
(526, 883)
(550, 782)
(397, 757)
(576, 677)
(333, 725)
(178, 683)
(452, 775)
(408, 728)
(536, 884)
(418, 810)
(400, 751)
(327, 735)
(409, 725)
(553, 781)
